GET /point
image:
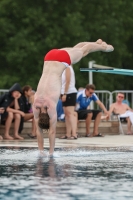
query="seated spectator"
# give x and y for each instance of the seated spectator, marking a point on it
(28, 100)
(13, 111)
(84, 99)
(123, 110)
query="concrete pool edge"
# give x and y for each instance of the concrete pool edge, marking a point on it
(107, 141)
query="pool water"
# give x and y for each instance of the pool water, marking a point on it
(83, 173)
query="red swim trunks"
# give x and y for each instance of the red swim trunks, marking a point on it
(58, 55)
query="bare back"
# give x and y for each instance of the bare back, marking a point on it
(49, 86)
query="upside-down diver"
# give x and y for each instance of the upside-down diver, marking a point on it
(49, 86)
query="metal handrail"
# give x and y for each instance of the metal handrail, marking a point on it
(2, 91)
(107, 96)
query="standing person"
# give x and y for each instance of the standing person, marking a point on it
(69, 93)
(27, 99)
(49, 87)
(123, 110)
(84, 99)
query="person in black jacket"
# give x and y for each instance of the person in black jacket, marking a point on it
(12, 103)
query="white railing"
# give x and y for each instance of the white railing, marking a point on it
(105, 96)
(2, 91)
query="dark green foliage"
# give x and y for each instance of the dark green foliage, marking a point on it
(30, 28)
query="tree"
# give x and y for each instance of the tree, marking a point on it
(31, 28)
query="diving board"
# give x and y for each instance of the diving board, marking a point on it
(109, 70)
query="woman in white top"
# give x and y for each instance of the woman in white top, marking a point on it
(69, 93)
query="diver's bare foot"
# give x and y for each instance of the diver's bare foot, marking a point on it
(18, 137)
(1, 138)
(8, 137)
(99, 41)
(108, 47)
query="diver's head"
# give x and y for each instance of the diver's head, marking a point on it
(43, 121)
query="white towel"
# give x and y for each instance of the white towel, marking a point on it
(129, 114)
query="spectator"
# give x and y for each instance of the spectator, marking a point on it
(28, 100)
(69, 93)
(84, 99)
(13, 111)
(123, 110)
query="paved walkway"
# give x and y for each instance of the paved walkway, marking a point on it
(107, 141)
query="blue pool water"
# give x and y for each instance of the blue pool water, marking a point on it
(95, 174)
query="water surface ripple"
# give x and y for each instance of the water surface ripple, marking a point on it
(83, 173)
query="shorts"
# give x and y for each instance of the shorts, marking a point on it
(59, 55)
(82, 114)
(70, 100)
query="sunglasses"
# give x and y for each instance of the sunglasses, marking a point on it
(90, 92)
(121, 97)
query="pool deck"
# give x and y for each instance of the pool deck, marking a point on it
(108, 141)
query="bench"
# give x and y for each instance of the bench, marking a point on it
(105, 127)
